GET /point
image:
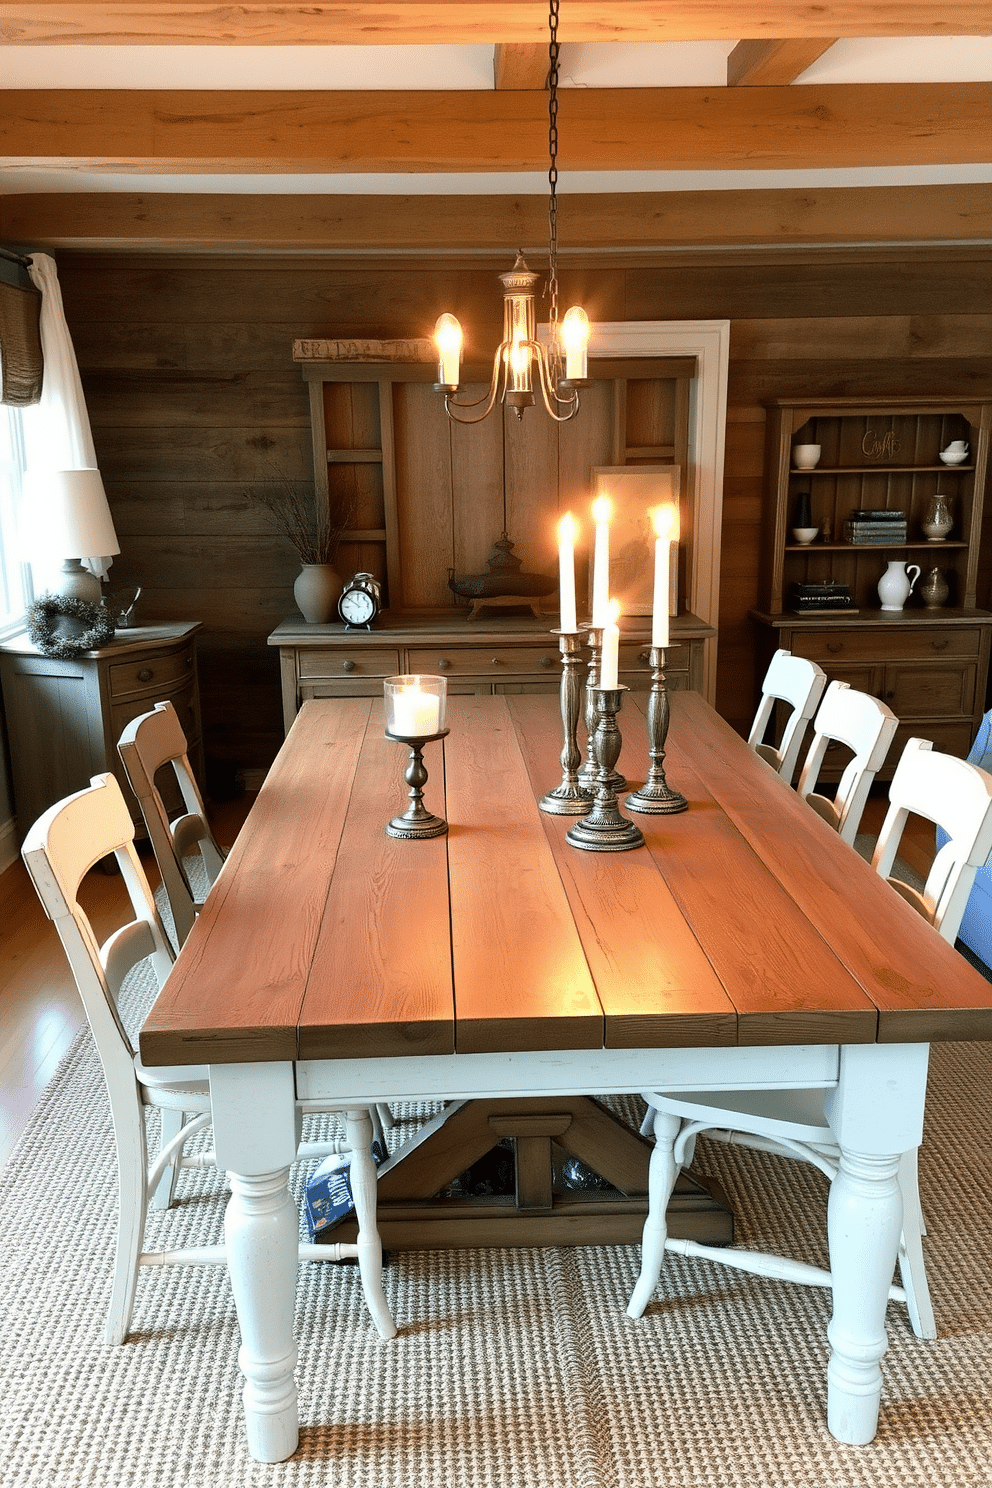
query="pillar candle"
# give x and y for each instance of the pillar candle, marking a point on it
(602, 510)
(609, 656)
(663, 518)
(566, 573)
(415, 714)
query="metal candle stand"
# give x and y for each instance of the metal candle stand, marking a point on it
(570, 798)
(416, 821)
(604, 829)
(589, 772)
(656, 796)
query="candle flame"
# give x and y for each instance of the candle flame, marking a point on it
(602, 509)
(665, 520)
(567, 528)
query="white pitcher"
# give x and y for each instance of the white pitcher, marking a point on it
(895, 585)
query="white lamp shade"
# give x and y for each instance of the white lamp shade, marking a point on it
(64, 514)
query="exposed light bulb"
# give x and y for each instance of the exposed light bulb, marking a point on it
(448, 340)
(575, 338)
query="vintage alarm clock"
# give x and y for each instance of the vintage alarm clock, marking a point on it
(360, 602)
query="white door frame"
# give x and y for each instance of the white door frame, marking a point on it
(709, 342)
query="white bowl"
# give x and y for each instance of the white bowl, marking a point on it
(806, 456)
(953, 457)
(805, 535)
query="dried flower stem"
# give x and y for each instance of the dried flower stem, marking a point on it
(313, 528)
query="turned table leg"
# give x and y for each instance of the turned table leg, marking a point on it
(255, 1137)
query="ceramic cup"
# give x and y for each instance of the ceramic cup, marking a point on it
(805, 455)
(804, 535)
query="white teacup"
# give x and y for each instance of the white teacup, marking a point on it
(805, 535)
(805, 455)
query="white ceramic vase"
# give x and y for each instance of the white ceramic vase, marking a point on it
(895, 585)
(317, 590)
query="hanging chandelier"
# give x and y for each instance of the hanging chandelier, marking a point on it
(521, 362)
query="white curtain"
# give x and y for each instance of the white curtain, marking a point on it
(57, 433)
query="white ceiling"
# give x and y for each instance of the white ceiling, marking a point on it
(611, 65)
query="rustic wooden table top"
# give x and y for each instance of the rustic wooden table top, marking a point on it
(744, 920)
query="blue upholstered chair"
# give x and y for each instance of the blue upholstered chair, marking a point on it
(976, 925)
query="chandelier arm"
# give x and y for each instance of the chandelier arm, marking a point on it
(549, 392)
(489, 398)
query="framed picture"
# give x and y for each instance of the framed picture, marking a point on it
(634, 491)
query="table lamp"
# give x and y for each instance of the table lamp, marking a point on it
(65, 512)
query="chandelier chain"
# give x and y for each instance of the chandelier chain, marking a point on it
(553, 170)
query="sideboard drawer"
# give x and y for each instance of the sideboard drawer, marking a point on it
(895, 645)
(157, 674)
(356, 661)
(455, 661)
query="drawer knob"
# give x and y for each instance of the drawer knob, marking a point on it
(348, 665)
(444, 664)
(547, 661)
(940, 645)
(835, 646)
(494, 661)
(644, 656)
(146, 674)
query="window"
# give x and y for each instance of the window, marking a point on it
(16, 590)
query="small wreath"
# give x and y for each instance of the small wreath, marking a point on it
(43, 614)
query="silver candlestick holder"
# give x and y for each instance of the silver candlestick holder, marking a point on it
(656, 796)
(417, 821)
(604, 829)
(570, 798)
(589, 772)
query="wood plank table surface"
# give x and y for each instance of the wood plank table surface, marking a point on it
(514, 978)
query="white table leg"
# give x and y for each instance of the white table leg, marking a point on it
(262, 1233)
(876, 1114)
(864, 1222)
(255, 1138)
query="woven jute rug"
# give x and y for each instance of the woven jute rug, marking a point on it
(512, 1369)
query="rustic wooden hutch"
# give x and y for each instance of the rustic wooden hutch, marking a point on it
(929, 664)
(427, 498)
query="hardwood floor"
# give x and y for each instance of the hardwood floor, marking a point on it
(40, 1011)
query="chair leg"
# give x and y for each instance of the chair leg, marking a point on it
(132, 1170)
(661, 1181)
(912, 1267)
(363, 1191)
(385, 1115)
(165, 1191)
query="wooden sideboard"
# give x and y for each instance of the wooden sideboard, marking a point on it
(64, 717)
(510, 654)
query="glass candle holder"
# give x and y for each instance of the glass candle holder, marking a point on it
(416, 706)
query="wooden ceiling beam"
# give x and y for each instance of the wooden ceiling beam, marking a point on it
(603, 129)
(774, 64)
(520, 66)
(607, 223)
(404, 22)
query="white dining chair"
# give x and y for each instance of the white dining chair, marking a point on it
(798, 683)
(957, 797)
(61, 847)
(866, 726)
(184, 843)
(150, 743)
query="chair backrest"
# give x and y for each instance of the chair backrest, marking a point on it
(59, 850)
(867, 727)
(800, 683)
(154, 740)
(955, 796)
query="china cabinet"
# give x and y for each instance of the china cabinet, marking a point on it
(875, 481)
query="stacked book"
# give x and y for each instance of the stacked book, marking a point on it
(820, 599)
(875, 526)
